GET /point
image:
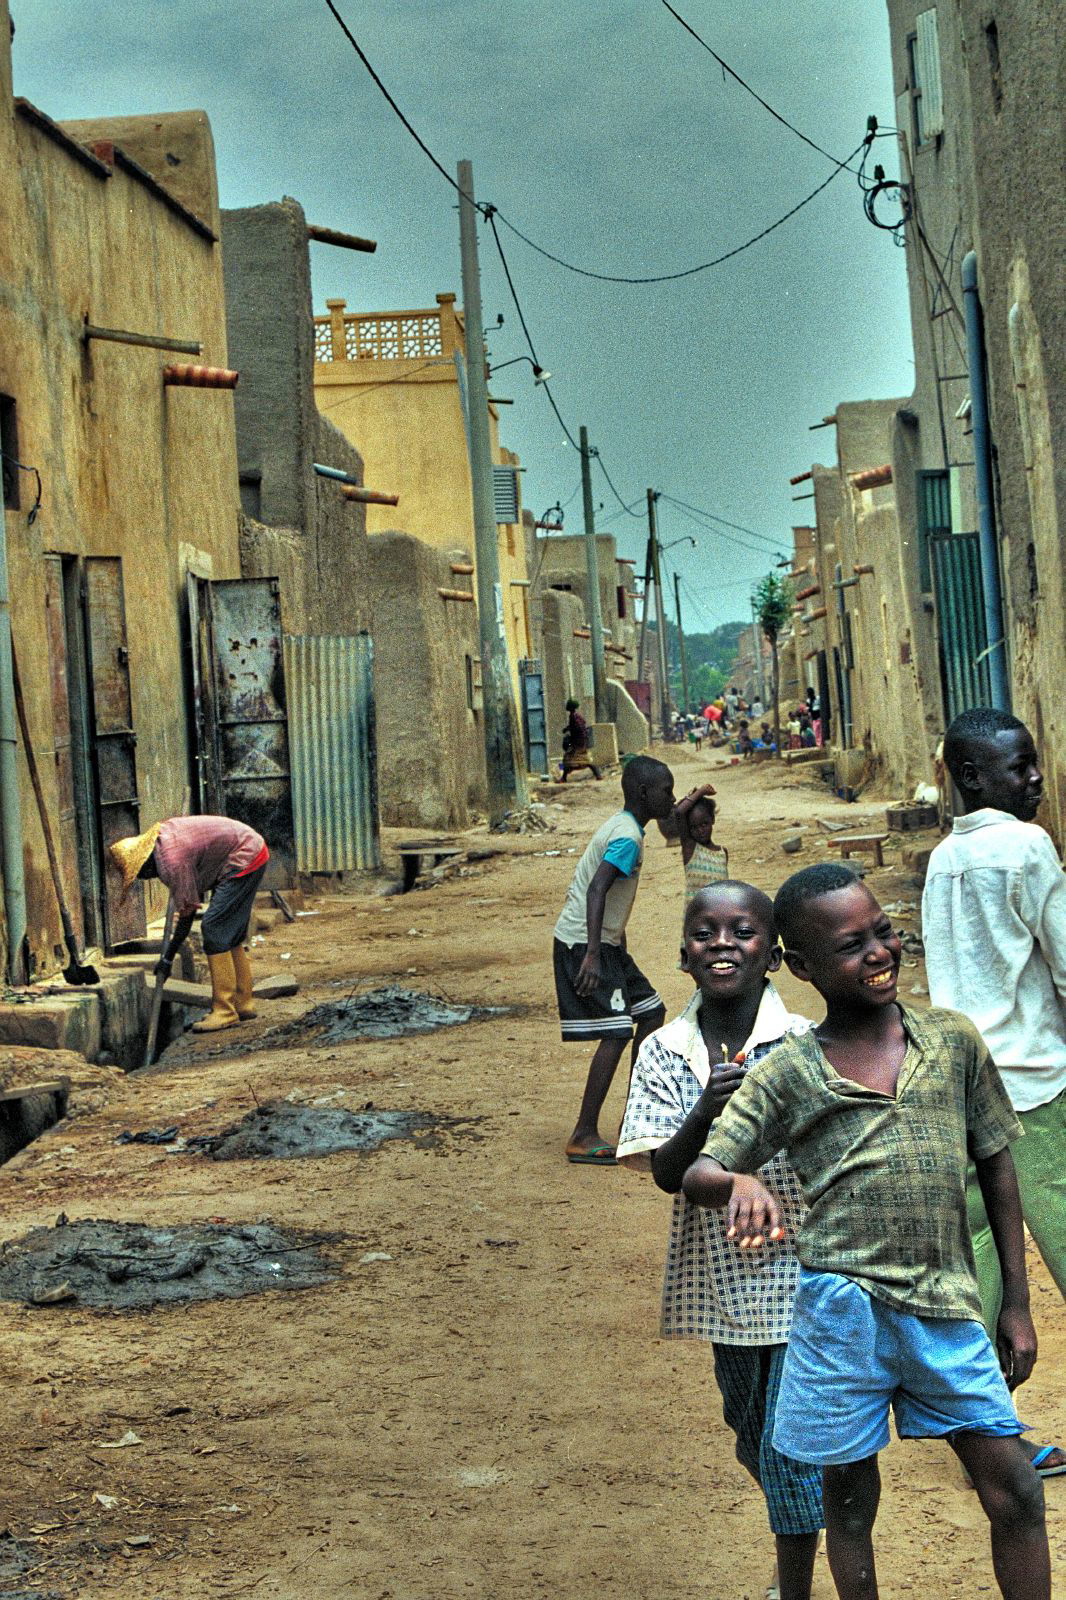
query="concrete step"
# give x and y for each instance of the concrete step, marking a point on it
(181, 993)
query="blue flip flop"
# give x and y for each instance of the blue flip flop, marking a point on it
(1048, 1472)
(600, 1155)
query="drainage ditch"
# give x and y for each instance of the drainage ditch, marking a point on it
(128, 1266)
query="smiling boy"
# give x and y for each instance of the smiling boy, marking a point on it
(741, 1303)
(877, 1108)
(994, 924)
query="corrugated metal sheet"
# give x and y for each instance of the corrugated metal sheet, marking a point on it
(333, 751)
(960, 622)
(927, 55)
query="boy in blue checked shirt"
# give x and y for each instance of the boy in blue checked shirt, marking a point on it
(879, 1109)
(740, 1302)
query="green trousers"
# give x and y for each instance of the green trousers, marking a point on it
(1040, 1162)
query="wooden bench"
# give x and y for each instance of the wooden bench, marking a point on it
(846, 843)
(411, 856)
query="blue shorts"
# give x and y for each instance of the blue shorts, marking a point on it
(851, 1357)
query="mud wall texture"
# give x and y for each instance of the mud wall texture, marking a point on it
(431, 757)
(280, 434)
(567, 663)
(128, 467)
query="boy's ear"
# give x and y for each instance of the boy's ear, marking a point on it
(797, 966)
(970, 776)
(774, 961)
(684, 958)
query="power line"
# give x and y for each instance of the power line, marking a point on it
(584, 272)
(747, 86)
(490, 215)
(628, 509)
(687, 272)
(695, 515)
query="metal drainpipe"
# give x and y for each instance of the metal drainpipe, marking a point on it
(11, 860)
(999, 685)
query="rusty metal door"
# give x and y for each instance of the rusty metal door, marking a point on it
(67, 811)
(240, 708)
(114, 742)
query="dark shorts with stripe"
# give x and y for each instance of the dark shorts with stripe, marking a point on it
(621, 998)
(225, 922)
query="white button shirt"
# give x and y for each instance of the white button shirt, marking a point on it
(994, 926)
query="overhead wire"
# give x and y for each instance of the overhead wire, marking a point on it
(560, 261)
(732, 73)
(738, 527)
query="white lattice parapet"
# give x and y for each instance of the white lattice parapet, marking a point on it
(345, 335)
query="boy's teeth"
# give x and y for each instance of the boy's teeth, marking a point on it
(879, 980)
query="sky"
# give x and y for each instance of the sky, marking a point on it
(605, 133)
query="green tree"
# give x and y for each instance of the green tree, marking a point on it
(773, 607)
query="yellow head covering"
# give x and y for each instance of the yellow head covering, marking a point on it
(129, 855)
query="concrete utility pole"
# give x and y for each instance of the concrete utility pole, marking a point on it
(756, 646)
(685, 707)
(592, 562)
(506, 779)
(660, 612)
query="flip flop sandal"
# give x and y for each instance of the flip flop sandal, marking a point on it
(600, 1155)
(1048, 1472)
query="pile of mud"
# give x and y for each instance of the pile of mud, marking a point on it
(280, 1131)
(389, 1013)
(129, 1266)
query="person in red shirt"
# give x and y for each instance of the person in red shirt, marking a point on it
(196, 857)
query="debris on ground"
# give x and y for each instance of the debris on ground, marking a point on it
(527, 819)
(128, 1265)
(280, 1131)
(387, 1013)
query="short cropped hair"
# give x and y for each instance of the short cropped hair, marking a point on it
(761, 904)
(798, 891)
(640, 771)
(974, 727)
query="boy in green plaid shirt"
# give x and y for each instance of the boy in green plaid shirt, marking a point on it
(877, 1109)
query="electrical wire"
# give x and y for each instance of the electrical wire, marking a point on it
(584, 272)
(765, 546)
(726, 68)
(22, 467)
(687, 272)
(610, 484)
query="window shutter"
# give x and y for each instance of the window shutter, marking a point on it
(505, 493)
(927, 51)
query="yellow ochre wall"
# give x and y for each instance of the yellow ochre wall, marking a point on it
(404, 416)
(129, 468)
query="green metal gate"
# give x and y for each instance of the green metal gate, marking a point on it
(955, 559)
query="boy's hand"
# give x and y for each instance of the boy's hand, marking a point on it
(1016, 1345)
(723, 1083)
(588, 973)
(752, 1217)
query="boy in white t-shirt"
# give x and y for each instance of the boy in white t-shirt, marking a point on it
(601, 992)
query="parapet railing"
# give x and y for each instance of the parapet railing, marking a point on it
(419, 335)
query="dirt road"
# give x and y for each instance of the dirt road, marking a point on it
(478, 1402)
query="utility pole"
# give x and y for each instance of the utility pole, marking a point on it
(592, 563)
(660, 612)
(503, 769)
(685, 707)
(756, 645)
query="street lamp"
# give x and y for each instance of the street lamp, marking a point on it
(539, 374)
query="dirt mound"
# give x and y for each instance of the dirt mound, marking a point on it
(280, 1131)
(388, 1013)
(127, 1265)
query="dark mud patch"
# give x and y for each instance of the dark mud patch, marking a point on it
(389, 1013)
(123, 1266)
(279, 1131)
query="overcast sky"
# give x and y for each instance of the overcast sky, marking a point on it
(604, 132)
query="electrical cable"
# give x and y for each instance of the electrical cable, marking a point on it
(726, 68)
(713, 516)
(584, 272)
(22, 467)
(687, 272)
(626, 508)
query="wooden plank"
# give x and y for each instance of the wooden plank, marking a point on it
(53, 1086)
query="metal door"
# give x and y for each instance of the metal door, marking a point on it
(960, 616)
(240, 708)
(114, 742)
(66, 812)
(534, 719)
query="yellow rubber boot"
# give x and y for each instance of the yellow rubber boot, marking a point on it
(223, 1012)
(242, 994)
